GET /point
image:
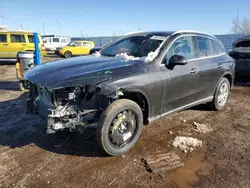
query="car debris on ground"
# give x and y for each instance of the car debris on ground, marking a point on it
(162, 162)
(186, 144)
(201, 128)
(183, 120)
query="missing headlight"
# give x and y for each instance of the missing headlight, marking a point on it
(64, 95)
(72, 96)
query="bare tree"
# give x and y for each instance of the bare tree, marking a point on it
(234, 28)
(245, 26)
(241, 27)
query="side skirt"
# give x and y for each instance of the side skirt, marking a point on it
(201, 101)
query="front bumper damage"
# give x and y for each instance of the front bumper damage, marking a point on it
(79, 109)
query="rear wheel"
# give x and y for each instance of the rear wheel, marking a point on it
(221, 95)
(120, 126)
(67, 54)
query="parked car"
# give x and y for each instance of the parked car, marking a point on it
(98, 48)
(77, 48)
(12, 42)
(132, 81)
(95, 49)
(241, 54)
(52, 43)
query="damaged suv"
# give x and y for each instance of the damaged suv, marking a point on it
(131, 82)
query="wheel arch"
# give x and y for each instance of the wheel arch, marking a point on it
(68, 50)
(228, 76)
(141, 99)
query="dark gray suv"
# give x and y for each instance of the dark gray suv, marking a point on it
(131, 82)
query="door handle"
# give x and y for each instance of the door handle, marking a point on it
(220, 65)
(5, 45)
(23, 44)
(194, 70)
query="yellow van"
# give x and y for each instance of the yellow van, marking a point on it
(75, 48)
(12, 42)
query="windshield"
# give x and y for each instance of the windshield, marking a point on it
(70, 44)
(137, 46)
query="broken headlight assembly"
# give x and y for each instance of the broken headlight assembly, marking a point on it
(65, 95)
(74, 106)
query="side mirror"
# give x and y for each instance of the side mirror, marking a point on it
(177, 60)
(74, 45)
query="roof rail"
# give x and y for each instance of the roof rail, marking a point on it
(192, 31)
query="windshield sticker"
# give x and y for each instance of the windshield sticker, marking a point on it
(158, 37)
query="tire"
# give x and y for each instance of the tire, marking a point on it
(67, 54)
(111, 124)
(217, 104)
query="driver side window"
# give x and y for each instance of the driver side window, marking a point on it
(182, 46)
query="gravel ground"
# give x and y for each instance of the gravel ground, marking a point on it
(30, 158)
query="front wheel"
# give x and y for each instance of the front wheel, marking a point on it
(120, 126)
(221, 95)
(67, 54)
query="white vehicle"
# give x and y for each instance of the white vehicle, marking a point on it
(52, 43)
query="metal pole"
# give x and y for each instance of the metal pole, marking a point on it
(37, 51)
(59, 29)
(237, 20)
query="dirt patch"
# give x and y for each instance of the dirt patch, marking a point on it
(30, 158)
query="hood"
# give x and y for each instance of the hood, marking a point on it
(87, 70)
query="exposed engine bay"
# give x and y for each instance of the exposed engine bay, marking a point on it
(73, 108)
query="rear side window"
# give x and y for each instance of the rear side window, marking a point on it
(31, 39)
(86, 44)
(203, 45)
(55, 39)
(216, 48)
(78, 43)
(17, 38)
(3, 38)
